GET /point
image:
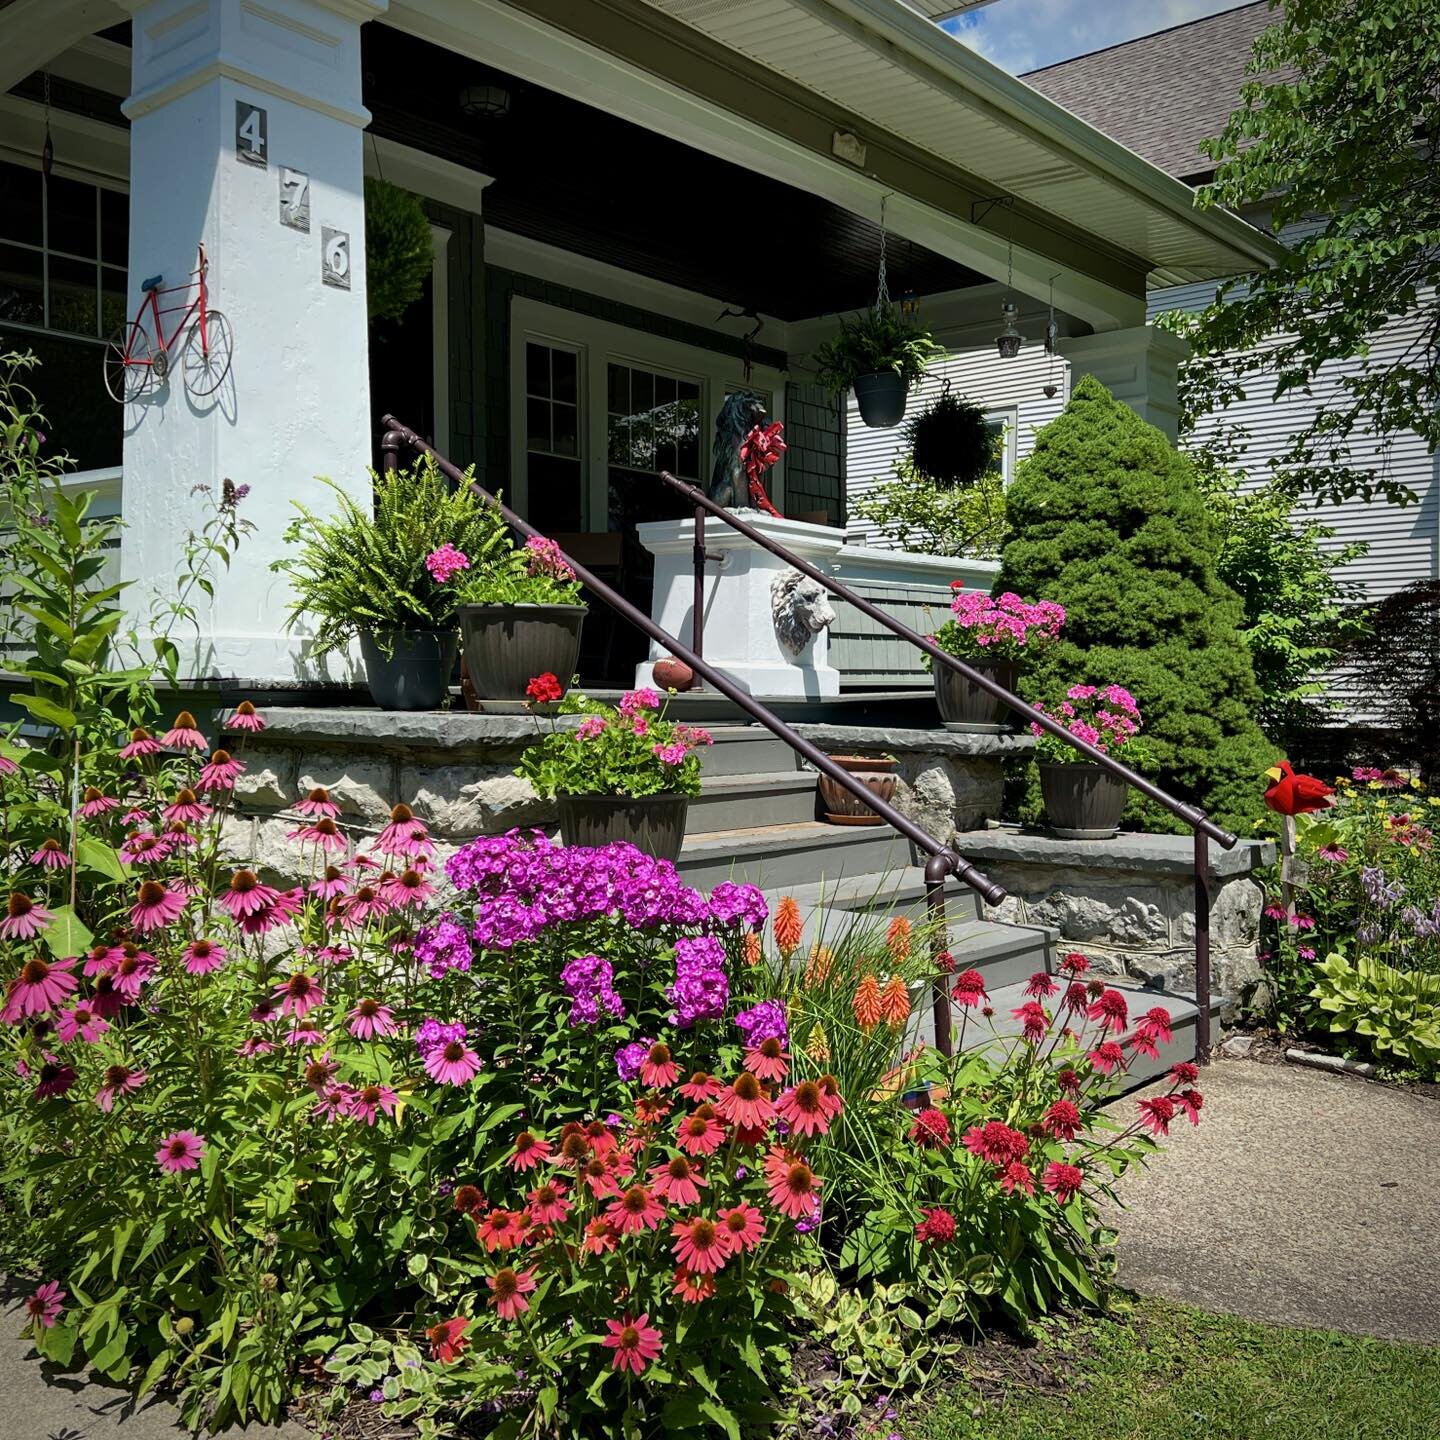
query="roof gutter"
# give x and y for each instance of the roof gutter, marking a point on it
(924, 46)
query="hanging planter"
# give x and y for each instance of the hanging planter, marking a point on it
(950, 442)
(881, 398)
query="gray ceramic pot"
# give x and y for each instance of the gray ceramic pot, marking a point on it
(843, 808)
(963, 704)
(653, 823)
(506, 646)
(1082, 801)
(415, 675)
(881, 398)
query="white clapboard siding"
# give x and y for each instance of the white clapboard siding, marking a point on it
(1014, 386)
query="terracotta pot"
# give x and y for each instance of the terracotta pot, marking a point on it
(881, 398)
(415, 675)
(652, 823)
(963, 704)
(1082, 801)
(843, 808)
(506, 646)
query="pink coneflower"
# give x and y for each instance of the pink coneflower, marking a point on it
(1063, 1181)
(301, 994)
(547, 1203)
(1156, 1114)
(700, 1133)
(369, 1101)
(530, 1150)
(634, 1210)
(931, 1129)
(183, 734)
(370, 1020)
(1190, 1101)
(280, 911)
(179, 1151)
(1107, 1057)
(245, 895)
(792, 1185)
(155, 906)
(1017, 1176)
(119, 1080)
(635, 1343)
(82, 1020)
(598, 1173)
(658, 1069)
(447, 1340)
(745, 1104)
(744, 1225)
(1333, 854)
(318, 804)
(691, 1289)
(969, 989)
(1182, 1072)
(334, 954)
(1110, 1010)
(701, 1245)
(501, 1230)
(1152, 1031)
(804, 1110)
(409, 888)
(41, 985)
(186, 806)
(452, 1064)
(363, 904)
(1077, 995)
(1062, 1120)
(142, 742)
(333, 1104)
(324, 832)
(404, 836)
(55, 1079)
(768, 1060)
(24, 918)
(51, 856)
(330, 885)
(996, 1142)
(255, 1046)
(264, 1011)
(95, 802)
(1034, 1020)
(222, 771)
(319, 1071)
(246, 717)
(202, 957)
(44, 1306)
(702, 1086)
(1041, 986)
(143, 848)
(132, 970)
(677, 1181)
(105, 999)
(508, 1289)
(601, 1237)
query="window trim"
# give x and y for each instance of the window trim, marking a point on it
(598, 342)
(1009, 417)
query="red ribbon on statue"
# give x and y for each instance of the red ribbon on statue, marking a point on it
(1292, 794)
(760, 449)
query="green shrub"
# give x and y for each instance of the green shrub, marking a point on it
(930, 519)
(1107, 518)
(1395, 1014)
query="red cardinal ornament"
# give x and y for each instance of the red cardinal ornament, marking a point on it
(1292, 794)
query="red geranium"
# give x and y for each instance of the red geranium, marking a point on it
(544, 688)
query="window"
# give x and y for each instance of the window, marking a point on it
(552, 434)
(1001, 424)
(653, 421)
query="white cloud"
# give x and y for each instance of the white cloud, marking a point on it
(1021, 35)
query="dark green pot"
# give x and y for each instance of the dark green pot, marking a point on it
(507, 646)
(1082, 801)
(654, 824)
(415, 675)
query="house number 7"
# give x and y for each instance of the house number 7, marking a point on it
(251, 133)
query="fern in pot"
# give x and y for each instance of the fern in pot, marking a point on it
(371, 577)
(882, 356)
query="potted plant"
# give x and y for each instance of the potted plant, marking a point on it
(950, 442)
(624, 773)
(371, 577)
(875, 772)
(881, 356)
(1083, 801)
(993, 636)
(520, 615)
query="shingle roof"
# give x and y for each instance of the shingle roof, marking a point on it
(1162, 94)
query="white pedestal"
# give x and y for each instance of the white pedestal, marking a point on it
(230, 99)
(1140, 366)
(739, 623)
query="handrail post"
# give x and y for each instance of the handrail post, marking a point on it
(937, 868)
(697, 620)
(390, 451)
(1202, 948)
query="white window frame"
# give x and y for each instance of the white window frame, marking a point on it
(598, 342)
(1009, 417)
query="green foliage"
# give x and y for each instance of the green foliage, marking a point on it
(1395, 1014)
(615, 751)
(399, 251)
(356, 571)
(1348, 136)
(875, 340)
(1297, 609)
(932, 519)
(529, 574)
(950, 441)
(1107, 518)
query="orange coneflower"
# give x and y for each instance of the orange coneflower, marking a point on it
(866, 1004)
(788, 926)
(895, 1002)
(897, 939)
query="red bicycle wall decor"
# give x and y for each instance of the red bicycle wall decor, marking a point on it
(133, 363)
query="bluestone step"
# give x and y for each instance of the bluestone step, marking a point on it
(742, 802)
(775, 856)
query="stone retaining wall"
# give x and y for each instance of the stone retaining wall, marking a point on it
(1129, 903)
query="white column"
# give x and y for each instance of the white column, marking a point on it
(740, 634)
(230, 99)
(1140, 366)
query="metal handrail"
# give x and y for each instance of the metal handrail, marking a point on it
(1192, 815)
(943, 860)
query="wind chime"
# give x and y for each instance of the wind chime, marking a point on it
(1052, 344)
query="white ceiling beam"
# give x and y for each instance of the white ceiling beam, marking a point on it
(34, 32)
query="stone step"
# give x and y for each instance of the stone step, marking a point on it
(775, 856)
(746, 750)
(900, 891)
(740, 802)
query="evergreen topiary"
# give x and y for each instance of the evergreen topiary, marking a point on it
(1107, 518)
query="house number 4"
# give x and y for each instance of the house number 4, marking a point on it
(251, 133)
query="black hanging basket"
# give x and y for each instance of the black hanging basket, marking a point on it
(881, 398)
(950, 442)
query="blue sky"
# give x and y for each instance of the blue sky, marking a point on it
(1021, 35)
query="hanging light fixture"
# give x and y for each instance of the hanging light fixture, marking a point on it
(485, 102)
(1009, 340)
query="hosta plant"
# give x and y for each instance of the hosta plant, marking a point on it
(1394, 1014)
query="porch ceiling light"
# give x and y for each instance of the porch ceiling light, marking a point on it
(1009, 340)
(488, 102)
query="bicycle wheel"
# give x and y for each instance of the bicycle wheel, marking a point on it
(129, 363)
(205, 360)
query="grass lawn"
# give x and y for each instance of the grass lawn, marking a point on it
(1167, 1372)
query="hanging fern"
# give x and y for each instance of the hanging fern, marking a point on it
(949, 442)
(399, 253)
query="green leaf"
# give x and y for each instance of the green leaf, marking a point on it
(96, 855)
(47, 710)
(66, 935)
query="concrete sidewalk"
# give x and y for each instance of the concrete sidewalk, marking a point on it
(1301, 1199)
